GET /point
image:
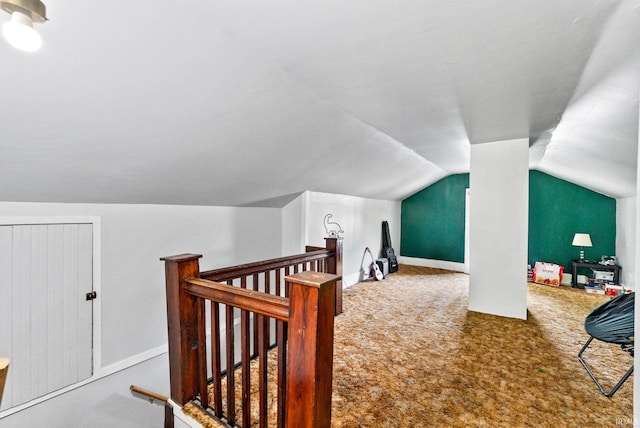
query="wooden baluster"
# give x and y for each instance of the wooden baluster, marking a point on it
(267, 282)
(267, 289)
(168, 415)
(263, 346)
(216, 371)
(183, 313)
(287, 273)
(254, 343)
(281, 340)
(231, 396)
(334, 266)
(245, 340)
(310, 350)
(203, 387)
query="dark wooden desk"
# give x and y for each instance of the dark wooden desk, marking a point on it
(575, 264)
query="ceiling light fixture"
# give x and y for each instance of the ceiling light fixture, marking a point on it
(19, 31)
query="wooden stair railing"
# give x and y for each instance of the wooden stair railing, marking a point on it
(327, 259)
(303, 319)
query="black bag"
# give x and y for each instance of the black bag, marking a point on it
(393, 263)
(387, 251)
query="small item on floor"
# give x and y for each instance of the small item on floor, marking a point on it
(383, 264)
(547, 273)
(594, 288)
(374, 270)
(613, 290)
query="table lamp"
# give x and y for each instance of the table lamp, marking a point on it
(582, 240)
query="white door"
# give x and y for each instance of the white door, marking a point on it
(46, 271)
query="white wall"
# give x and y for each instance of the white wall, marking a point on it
(294, 225)
(626, 240)
(361, 219)
(498, 227)
(134, 237)
(133, 321)
(105, 403)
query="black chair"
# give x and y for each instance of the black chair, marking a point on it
(611, 322)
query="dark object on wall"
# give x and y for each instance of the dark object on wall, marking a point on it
(387, 251)
(611, 322)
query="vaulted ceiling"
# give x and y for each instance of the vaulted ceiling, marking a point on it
(209, 102)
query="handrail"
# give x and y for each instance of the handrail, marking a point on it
(226, 273)
(242, 298)
(149, 394)
(154, 396)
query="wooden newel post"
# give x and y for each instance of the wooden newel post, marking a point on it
(310, 349)
(335, 267)
(183, 313)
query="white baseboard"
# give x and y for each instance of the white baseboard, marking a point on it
(354, 278)
(439, 264)
(131, 361)
(349, 280)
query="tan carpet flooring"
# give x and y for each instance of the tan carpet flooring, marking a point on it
(408, 353)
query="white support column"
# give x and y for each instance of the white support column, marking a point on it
(498, 229)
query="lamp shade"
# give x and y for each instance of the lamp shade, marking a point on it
(582, 240)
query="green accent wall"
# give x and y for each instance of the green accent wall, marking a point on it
(432, 220)
(559, 209)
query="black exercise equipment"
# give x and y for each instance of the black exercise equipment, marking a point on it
(611, 322)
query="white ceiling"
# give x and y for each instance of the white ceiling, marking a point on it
(213, 102)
